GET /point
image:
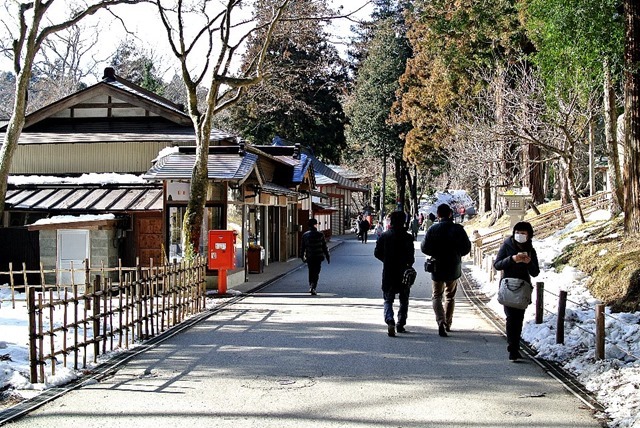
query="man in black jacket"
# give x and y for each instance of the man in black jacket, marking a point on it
(395, 249)
(314, 250)
(447, 242)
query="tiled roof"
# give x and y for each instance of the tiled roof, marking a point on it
(221, 166)
(276, 189)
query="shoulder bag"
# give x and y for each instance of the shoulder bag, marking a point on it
(515, 293)
(409, 276)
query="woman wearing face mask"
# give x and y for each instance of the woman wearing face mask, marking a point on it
(517, 259)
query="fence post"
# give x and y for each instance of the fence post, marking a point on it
(492, 271)
(562, 306)
(33, 353)
(539, 302)
(88, 289)
(96, 318)
(599, 331)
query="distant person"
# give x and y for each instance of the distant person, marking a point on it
(358, 229)
(364, 230)
(446, 242)
(415, 227)
(431, 218)
(313, 251)
(395, 249)
(517, 259)
(379, 229)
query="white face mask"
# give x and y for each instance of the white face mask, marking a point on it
(520, 238)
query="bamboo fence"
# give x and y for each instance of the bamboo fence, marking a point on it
(71, 325)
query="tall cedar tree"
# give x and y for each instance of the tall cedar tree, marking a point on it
(301, 98)
(384, 51)
(453, 43)
(632, 117)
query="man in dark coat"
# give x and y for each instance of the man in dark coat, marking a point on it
(395, 249)
(447, 242)
(364, 227)
(313, 251)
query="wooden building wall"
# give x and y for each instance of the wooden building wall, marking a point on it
(77, 158)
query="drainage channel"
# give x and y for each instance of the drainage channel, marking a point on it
(565, 378)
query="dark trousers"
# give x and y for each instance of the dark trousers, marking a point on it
(314, 272)
(389, 297)
(515, 318)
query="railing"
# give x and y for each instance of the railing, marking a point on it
(71, 325)
(544, 224)
(596, 329)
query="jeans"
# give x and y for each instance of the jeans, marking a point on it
(389, 297)
(515, 318)
(444, 314)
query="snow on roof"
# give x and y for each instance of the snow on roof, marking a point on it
(74, 219)
(92, 178)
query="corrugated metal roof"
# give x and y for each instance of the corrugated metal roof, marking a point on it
(80, 199)
(221, 166)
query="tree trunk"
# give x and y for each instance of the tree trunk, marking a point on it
(592, 157)
(632, 118)
(401, 184)
(563, 187)
(14, 129)
(614, 175)
(413, 190)
(383, 186)
(567, 172)
(536, 175)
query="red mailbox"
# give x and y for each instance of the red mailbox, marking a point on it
(222, 255)
(222, 249)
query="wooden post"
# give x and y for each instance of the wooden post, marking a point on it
(539, 302)
(88, 289)
(33, 353)
(600, 331)
(492, 271)
(562, 306)
(13, 289)
(96, 319)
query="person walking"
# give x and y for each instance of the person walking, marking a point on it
(364, 230)
(395, 250)
(415, 227)
(313, 252)
(379, 229)
(446, 242)
(517, 259)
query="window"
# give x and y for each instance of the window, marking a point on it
(213, 219)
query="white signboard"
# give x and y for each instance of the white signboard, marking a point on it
(178, 191)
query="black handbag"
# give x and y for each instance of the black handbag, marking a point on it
(409, 276)
(430, 265)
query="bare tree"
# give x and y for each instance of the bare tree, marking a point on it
(220, 38)
(64, 61)
(28, 24)
(559, 128)
(223, 30)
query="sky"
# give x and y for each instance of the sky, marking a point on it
(141, 21)
(615, 381)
